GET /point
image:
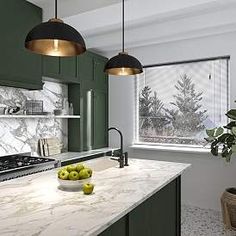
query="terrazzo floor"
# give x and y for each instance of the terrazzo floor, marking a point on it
(202, 222)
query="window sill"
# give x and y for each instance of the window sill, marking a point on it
(171, 148)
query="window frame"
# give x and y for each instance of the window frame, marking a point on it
(165, 146)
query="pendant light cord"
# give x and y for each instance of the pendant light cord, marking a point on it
(123, 25)
(55, 9)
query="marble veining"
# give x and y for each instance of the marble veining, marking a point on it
(33, 205)
(20, 135)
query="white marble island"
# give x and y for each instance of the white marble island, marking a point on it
(33, 205)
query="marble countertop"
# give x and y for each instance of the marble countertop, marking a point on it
(34, 205)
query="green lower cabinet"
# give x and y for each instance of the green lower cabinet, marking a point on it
(117, 229)
(159, 215)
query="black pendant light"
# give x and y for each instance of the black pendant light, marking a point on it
(55, 38)
(123, 64)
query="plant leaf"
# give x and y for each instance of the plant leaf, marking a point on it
(233, 130)
(209, 139)
(230, 125)
(233, 148)
(223, 137)
(219, 131)
(210, 132)
(231, 114)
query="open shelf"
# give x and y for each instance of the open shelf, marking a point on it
(40, 116)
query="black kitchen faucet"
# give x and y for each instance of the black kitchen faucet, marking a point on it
(123, 157)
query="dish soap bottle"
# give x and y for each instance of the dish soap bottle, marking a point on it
(66, 107)
(71, 109)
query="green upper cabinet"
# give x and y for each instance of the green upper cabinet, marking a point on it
(51, 66)
(19, 67)
(62, 69)
(93, 101)
(68, 67)
(91, 71)
(100, 78)
(86, 69)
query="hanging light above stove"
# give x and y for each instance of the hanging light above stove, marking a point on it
(123, 64)
(55, 38)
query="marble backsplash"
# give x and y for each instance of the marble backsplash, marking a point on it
(18, 135)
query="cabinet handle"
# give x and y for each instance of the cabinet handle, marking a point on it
(89, 119)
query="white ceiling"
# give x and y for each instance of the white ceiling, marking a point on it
(71, 7)
(147, 22)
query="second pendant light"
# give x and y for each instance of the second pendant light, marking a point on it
(123, 64)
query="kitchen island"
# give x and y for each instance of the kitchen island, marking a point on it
(141, 198)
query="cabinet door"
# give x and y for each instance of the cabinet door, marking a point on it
(19, 67)
(117, 229)
(100, 77)
(51, 66)
(100, 120)
(86, 70)
(159, 215)
(68, 67)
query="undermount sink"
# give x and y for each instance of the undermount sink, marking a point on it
(102, 163)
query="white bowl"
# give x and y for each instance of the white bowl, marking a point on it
(73, 184)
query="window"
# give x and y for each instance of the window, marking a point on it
(176, 102)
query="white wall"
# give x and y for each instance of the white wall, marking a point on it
(204, 183)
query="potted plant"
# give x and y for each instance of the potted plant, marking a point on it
(224, 140)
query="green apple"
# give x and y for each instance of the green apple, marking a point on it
(71, 168)
(84, 174)
(88, 188)
(74, 175)
(79, 167)
(89, 171)
(60, 170)
(64, 174)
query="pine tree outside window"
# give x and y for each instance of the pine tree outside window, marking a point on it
(176, 102)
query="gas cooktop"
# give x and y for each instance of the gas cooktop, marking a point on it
(14, 166)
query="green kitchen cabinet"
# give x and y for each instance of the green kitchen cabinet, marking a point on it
(68, 67)
(159, 215)
(91, 71)
(100, 119)
(94, 101)
(19, 67)
(86, 69)
(117, 229)
(100, 78)
(51, 66)
(62, 69)
(94, 119)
